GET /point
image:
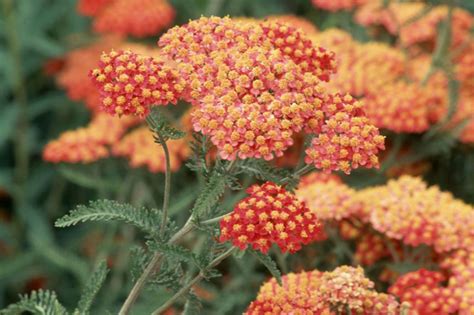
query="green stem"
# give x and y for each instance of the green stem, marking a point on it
(201, 275)
(166, 197)
(152, 267)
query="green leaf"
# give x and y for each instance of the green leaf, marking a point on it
(8, 118)
(107, 210)
(210, 194)
(175, 251)
(161, 126)
(79, 177)
(193, 304)
(268, 262)
(38, 303)
(199, 146)
(263, 170)
(92, 288)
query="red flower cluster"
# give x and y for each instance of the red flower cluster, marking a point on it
(422, 290)
(138, 17)
(270, 215)
(130, 83)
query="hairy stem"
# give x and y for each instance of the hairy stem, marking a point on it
(152, 267)
(166, 197)
(201, 275)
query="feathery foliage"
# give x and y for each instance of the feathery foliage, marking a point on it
(269, 263)
(91, 289)
(38, 303)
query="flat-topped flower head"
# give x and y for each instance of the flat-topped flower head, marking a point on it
(270, 215)
(130, 83)
(407, 209)
(338, 5)
(323, 293)
(87, 144)
(423, 291)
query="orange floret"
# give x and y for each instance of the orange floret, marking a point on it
(337, 5)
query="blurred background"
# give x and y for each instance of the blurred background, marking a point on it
(46, 49)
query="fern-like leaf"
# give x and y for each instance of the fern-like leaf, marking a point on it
(193, 304)
(210, 194)
(160, 125)
(264, 171)
(37, 303)
(269, 263)
(92, 288)
(107, 210)
(177, 252)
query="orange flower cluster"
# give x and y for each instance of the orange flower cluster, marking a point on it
(328, 200)
(400, 107)
(137, 18)
(407, 210)
(255, 85)
(422, 290)
(460, 265)
(87, 144)
(319, 293)
(140, 148)
(130, 83)
(337, 5)
(400, 18)
(270, 214)
(296, 21)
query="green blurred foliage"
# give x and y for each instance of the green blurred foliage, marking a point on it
(34, 194)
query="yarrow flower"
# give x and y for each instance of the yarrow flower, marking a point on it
(328, 199)
(407, 210)
(370, 248)
(400, 107)
(337, 5)
(321, 293)
(138, 18)
(423, 291)
(130, 83)
(141, 150)
(90, 143)
(270, 215)
(254, 86)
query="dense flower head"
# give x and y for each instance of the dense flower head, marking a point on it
(400, 18)
(318, 177)
(130, 83)
(399, 107)
(270, 215)
(297, 294)
(328, 200)
(423, 291)
(337, 5)
(319, 293)
(138, 18)
(255, 85)
(347, 140)
(87, 144)
(140, 149)
(460, 265)
(407, 210)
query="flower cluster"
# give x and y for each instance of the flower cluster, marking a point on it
(407, 210)
(270, 214)
(130, 83)
(254, 85)
(400, 18)
(337, 5)
(347, 139)
(300, 23)
(400, 107)
(138, 18)
(370, 248)
(87, 144)
(141, 150)
(422, 290)
(321, 293)
(327, 199)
